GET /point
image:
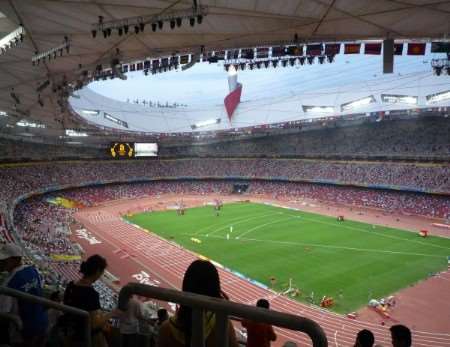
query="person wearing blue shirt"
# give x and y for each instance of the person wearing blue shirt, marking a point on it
(25, 278)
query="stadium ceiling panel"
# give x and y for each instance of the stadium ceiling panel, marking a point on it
(228, 24)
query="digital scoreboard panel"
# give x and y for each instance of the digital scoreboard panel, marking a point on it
(146, 149)
(128, 150)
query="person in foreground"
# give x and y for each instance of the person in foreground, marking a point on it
(401, 336)
(259, 334)
(25, 278)
(202, 278)
(364, 338)
(82, 295)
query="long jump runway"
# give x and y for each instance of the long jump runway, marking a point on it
(135, 255)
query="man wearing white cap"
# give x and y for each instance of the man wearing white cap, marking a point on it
(27, 279)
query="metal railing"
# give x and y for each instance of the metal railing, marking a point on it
(51, 304)
(223, 309)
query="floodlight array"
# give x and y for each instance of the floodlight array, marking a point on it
(52, 53)
(12, 40)
(138, 24)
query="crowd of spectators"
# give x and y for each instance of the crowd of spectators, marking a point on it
(396, 139)
(17, 180)
(387, 200)
(414, 138)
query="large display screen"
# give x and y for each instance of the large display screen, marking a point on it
(126, 150)
(122, 150)
(145, 149)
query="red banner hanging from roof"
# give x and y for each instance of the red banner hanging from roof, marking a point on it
(352, 48)
(262, 52)
(278, 51)
(372, 48)
(416, 48)
(332, 48)
(314, 50)
(294, 50)
(232, 100)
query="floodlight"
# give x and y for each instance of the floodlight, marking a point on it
(441, 96)
(318, 109)
(357, 103)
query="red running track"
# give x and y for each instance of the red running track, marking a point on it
(130, 250)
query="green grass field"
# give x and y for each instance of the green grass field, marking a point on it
(349, 261)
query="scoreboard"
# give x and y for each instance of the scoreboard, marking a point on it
(127, 150)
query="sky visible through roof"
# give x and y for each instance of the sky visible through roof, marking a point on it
(206, 84)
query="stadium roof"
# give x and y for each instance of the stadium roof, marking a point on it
(228, 24)
(175, 101)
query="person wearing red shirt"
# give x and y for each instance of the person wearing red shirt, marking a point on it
(259, 334)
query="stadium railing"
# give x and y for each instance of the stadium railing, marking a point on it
(51, 304)
(223, 309)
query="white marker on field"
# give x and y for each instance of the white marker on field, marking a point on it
(231, 229)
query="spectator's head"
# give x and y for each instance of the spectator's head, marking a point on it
(93, 267)
(202, 277)
(263, 303)
(401, 336)
(364, 338)
(10, 257)
(162, 315)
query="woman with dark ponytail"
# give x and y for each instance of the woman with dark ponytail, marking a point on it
(82, 295)
(202, 278)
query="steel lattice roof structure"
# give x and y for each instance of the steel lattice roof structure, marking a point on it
(228, 24)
